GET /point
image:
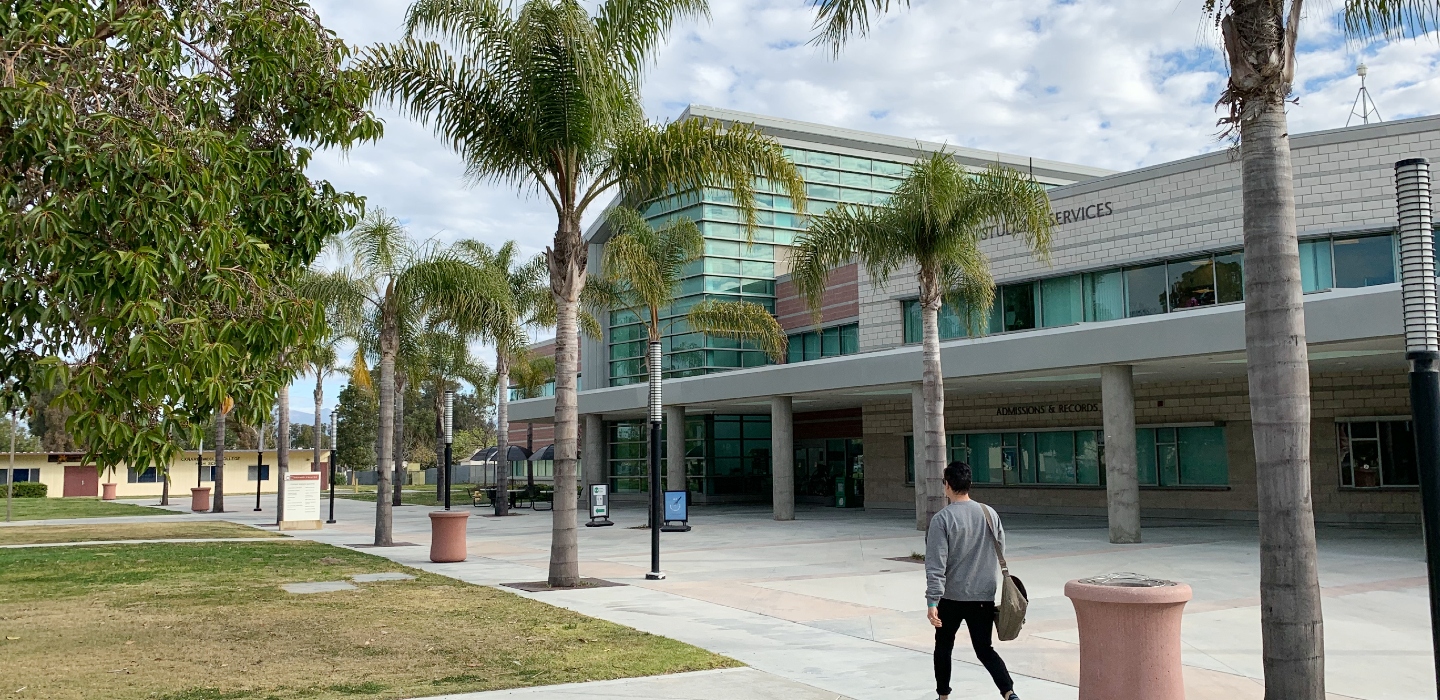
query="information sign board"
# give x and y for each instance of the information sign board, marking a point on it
(302, 501)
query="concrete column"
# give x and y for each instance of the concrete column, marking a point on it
(917, 423)
(1122, 469)
(593, 457)
(782, 456)
(675, 448)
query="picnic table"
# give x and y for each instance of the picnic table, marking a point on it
(517, 496)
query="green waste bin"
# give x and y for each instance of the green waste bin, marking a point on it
(840, 501)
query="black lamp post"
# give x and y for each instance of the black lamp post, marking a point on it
(200, 464)
(449, 438)
(331, 521)
(655, 490)
(1422, 349)
(259, 476)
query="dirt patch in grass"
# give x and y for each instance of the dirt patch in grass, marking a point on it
(204, 621)
(53, 508)
(105, 532)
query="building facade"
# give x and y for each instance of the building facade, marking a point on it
(1145, 278)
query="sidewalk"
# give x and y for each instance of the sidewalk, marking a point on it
(820, 602)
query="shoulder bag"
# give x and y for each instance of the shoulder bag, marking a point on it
(1010, 614)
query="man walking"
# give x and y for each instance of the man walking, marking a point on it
(961, 571)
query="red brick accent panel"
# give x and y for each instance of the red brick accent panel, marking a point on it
(544, 434)
(842, 300)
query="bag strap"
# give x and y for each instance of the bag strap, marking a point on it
(995, 540)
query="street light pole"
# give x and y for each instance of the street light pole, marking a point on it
(259, 462)
(200, 464)
(10, 470)
(1422, 349)
(449, 438)
(331, 521)
(655, 491)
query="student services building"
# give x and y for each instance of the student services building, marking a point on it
(1142, 302)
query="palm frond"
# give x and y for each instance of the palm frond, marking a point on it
(379, 243)
(1393, 19)
(631, 30)
(360, 371)
(838, 20)
(741, 320)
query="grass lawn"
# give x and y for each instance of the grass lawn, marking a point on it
(208, 621)
(44, 534)
(52, 508)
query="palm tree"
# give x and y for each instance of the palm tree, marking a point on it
(934, 220)
(530, 305)
(544, 95)
(642, 270)
(530, 378)
(322, 359)
(397, 283)
(442, 359)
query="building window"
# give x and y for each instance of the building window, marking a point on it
(1230, 277)
(1104, 295)
(628, 466)
(264, 473)
(909, 460)
(1377, 453)
(1192, 283)
(829, 342)
(1316, 274)
(1184, 456)
(1145, 290)
(1061, 301)
(1364, 262)
(149, 476)
(21, 475)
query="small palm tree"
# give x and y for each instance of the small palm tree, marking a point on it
(934, 220)
(442, 360)
(545, 95)
(396, 284)
(530, 378)
(529, 305)
(321, 359)
(642, 270)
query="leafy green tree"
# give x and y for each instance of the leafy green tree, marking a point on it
(24, 441)
(393, 285)
(641, 273)
(934, 221)
(356, 427)
(544, 95)
(154, 205)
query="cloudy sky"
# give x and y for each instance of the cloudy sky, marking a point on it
(1111, 83)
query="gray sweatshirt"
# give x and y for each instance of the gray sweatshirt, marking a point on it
(960, 561)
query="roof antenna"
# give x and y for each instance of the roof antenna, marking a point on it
(1364, 106)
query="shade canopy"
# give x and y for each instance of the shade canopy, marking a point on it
(544, 454)
(516, 453)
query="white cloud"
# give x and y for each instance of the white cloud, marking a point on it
(1117, 84)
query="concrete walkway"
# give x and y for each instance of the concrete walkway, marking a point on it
(820, 602)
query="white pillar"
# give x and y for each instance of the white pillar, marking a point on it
(675, 448)
(1122, 469)
(593, 460)
(782, 456)
(917, 423)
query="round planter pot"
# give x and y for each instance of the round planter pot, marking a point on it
(1129, 640)
(447, 535)
(200, 499)
(107, 492)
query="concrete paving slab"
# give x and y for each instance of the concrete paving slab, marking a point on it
(318, 587)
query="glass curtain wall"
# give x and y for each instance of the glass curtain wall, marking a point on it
(829, 342)
(733, 269)
(725, 455)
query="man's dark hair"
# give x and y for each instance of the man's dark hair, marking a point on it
(957, 475)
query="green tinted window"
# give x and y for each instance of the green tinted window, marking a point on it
(1104, 296)
(1315, 270)
(1203, 461)
(1145, 290)
(1061, 301)
(1230, 277)
(1087, 457)
(1055, 457)
(849, 339)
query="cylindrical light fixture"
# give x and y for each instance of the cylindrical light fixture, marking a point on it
(1422, 349)
(656, 413)
(449, 417)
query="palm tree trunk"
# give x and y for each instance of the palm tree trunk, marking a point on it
(932, 387)
(217, 503)
(1290, 618)
(564, 549)
(319, 396)
(399, 439)
(282, 451)
(385, 455)
(502, 435)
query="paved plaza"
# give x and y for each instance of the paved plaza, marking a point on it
(820, 607)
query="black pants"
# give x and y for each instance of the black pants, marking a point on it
(979, 616)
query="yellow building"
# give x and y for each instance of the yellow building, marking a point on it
(67, 474)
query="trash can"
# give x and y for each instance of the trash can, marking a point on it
(1129, 636)
(200, 499)
(447, 535)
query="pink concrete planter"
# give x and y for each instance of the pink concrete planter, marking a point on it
(200, 499)
(107, 492)
(447, 535)
(1129, 638)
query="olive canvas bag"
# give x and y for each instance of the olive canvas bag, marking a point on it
(1010, 614)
